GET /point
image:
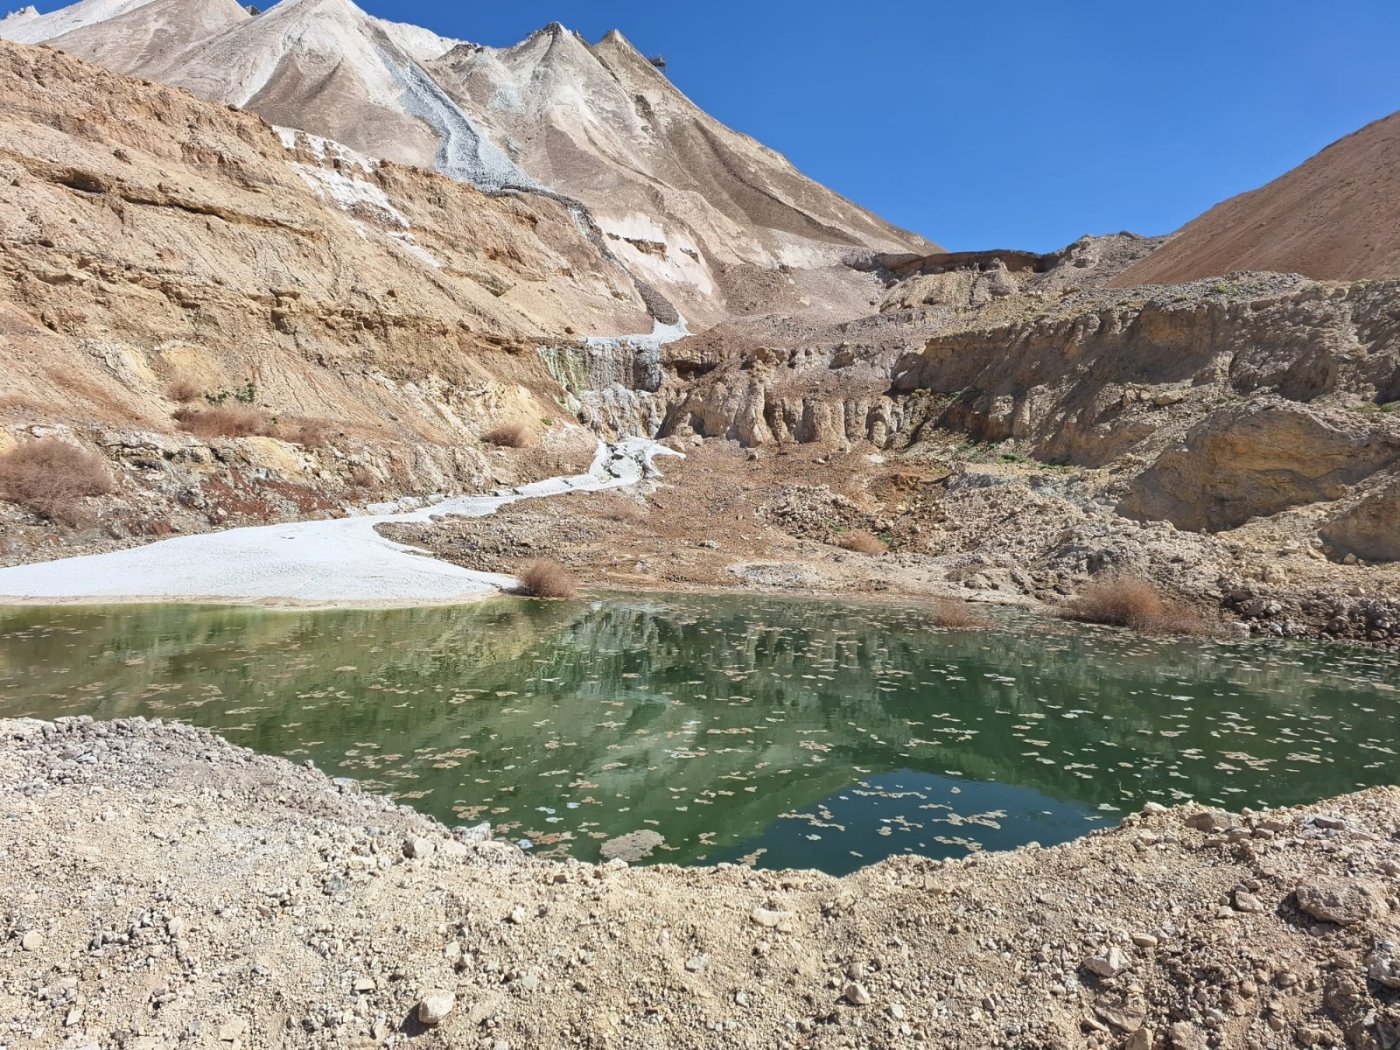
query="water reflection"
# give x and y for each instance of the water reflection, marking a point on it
(780, 732)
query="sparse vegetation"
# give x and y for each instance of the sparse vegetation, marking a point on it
(183, 391)
(512, 434)
(547, 578)
(50, 477)
(309, 433)
(221, 420)
(953, 615)
(1135, 603)
(247, 394)
(861, 541)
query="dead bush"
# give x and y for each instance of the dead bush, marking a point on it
(1136, 603)
(509, 435)
(183, 391)
(953, 615)
(224, 421)
(861, 541)
(50, 477)
(308, 433)
(547, 578)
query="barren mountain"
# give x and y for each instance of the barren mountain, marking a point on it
(1335, 217)
(153, 241)
(687, 204)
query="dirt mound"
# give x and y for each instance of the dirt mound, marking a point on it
(1334, 217)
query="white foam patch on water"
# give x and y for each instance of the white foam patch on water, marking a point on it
(343, 560)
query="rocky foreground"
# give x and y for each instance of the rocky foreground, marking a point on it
(161, 888)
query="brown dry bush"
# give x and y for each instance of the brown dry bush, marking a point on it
(861, 541)
(50, 476)
(224, 421)
(953, 615)
(183, 391)
(509, 435)
(308, 433)
(1136, 603)
(547, 578)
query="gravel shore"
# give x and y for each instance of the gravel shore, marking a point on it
(161, 888)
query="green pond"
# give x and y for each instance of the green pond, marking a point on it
(782, 733)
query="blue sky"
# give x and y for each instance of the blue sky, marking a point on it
(1018, 124)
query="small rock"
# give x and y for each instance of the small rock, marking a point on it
(698, 964)
(1209, 821)
(416, 847)
(364, 985)
(1338, 901)
(1108, 963)
(434, 1006)
(175, 927)
(232, 1031)
(1247, 902)
(856, 994)
(1145, 940)
(1186, 1036)
(31, 941)
(518, 915)
(769, 919)
(1140, 1040)
(1382, 965)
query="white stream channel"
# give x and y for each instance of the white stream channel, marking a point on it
(343, 560)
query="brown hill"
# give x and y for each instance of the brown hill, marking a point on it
(1335, 217)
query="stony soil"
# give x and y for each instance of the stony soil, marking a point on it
(980, 523)
(186, 893)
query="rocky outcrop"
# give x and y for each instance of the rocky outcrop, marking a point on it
(1101, 374)
(150, 240)
(1247, 462)
(1370, 528)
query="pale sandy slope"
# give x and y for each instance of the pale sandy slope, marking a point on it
(338, 561)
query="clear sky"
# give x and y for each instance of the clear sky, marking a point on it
(1017, 124)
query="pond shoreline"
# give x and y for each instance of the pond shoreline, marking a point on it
(267, 904)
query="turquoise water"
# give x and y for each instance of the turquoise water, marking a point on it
(778, 732)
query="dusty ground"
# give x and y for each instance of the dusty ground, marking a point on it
(961, 520)
(185, 893)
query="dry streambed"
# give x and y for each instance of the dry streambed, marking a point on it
(162, 888)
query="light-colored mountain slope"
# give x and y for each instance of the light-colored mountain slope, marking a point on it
(1335, 217)
(700, 212)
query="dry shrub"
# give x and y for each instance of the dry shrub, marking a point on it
(362, 477)
(953, 615)
(861, 541)
(509, 435)
(224, 421)
(183, 391)
(49, 477)
(1130, 601)
(546, 578)
(308, 433)
(624, 510)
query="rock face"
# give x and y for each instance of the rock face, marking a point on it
(1252, 462)
(692, 207)
(1335, 217)
(151, 239)
(1370, 529)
